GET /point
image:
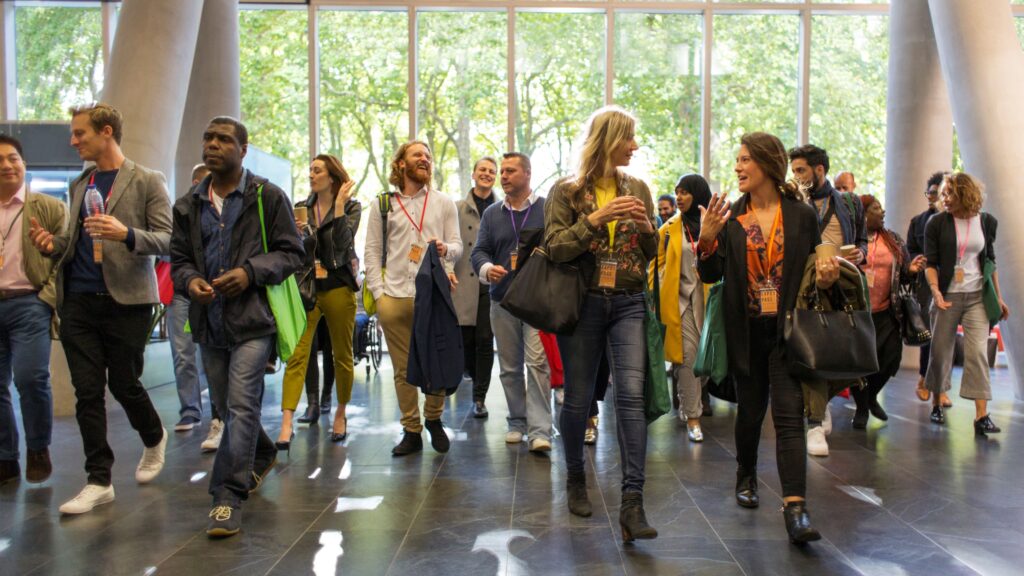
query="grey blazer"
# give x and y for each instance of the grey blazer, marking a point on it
(467, 296)
(140, 201)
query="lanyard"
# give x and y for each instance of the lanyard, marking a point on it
(512, 217)
(873, 251)
(961, 248)
(689, 238)
(770, 242)
(426, 197)
(3, 242)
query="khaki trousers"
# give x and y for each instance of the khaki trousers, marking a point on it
(338, 306)
(396, 319)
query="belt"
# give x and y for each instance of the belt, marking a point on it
(613, 291)
(8, 294)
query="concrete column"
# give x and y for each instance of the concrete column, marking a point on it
(8, 70)
(214, 88)
(919, 130)
(147, 79)
(984, 69)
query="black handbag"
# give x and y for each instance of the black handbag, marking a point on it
(306, 279)
(827, 344)
(914, 322)
(547, 295)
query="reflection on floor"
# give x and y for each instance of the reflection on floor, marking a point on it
(904, 497)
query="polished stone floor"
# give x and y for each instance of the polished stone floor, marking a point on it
(904, 497)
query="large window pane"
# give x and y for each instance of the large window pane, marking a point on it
(364, 105)
(275, 86)
(463, 92)
(849, 68)
(754, 71)
(59, 53)
(1019, 21)
(560, 79)
(658, 61)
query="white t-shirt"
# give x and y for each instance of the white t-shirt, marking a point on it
(969, 229)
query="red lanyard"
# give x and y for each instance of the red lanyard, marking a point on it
(962, 247)
(872, 252)
(689, 238)
(422, 214)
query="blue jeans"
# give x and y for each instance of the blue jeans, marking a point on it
(529, 398)
(188, 369)
(236, 389)
(615, 323)
(25, 352)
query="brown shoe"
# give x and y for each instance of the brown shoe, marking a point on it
(37, 466)
(945, 401)
(923, 394)
(9, 470)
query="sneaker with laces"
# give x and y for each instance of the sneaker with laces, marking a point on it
(90, 497)
(540, 445)
(224, 521)
(513, 437)
(816, 443)
(213, 437)
(152, 462)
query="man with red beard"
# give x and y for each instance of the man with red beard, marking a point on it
(401, 225)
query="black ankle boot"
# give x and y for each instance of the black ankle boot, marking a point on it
(746, 489)
(633, 520)
(438, 438)
(985, 425)
(860, 418)
(876, 409)
(411, 442)
(798, 524)
(312, 414)
(576, 488)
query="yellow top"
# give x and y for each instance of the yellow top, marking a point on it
(604, 192)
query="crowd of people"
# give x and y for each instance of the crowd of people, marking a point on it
(233, 234)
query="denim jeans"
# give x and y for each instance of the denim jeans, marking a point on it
(616, 323)
(25, 352)
(529, 398)
(188, 368)
(236, 389)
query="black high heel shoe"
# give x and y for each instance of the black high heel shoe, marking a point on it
(985, 425)
(336, 437)
(286, 445)
(311, 415)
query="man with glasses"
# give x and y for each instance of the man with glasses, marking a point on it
(915, 245)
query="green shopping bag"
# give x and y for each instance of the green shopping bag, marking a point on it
(657, 399)
(285, 302)
(712, 361)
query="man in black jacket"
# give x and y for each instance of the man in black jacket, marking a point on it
(218, 260)
(915, 245)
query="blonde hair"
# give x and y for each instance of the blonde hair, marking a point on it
(967, 189)
(606, 130)
(397, 176)
(100, 115)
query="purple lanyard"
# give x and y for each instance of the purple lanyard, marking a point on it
(512, 217)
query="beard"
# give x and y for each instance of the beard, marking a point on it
(417, 175)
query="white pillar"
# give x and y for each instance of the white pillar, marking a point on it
(984, 69)
(215, 85)
(919, 129)
(148, 75)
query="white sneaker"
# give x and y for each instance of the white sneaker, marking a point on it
(152, 462)
(816, 443)
(90, 497)
(213, 437)
(826, 423)
(513, 437)
(540, 445)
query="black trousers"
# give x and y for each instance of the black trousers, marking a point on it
(478, 348)
(105, 343)
(769, 378)
(321, 343)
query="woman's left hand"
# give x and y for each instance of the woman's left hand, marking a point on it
(639, 214)
(344, 195)
(1005, 309)
(827, 272)
(918, 264)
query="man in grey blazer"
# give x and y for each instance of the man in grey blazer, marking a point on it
(106, 289)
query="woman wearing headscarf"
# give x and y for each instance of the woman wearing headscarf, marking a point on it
(682, 296)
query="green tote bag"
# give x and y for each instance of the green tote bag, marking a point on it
(712, 361)
(285, 302)
(657, 400)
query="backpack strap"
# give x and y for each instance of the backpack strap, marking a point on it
(384, 203)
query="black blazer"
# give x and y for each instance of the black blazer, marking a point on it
(940, 245)
(435, 349)
(729, 262)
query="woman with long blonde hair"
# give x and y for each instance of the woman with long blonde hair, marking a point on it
(605, 218)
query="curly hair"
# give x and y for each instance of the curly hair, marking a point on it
(967, 189)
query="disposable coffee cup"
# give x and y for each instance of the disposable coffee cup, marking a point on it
(826, 250)
(847, 250)
(301, 214)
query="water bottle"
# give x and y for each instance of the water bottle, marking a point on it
(94, 207)
(93, 202)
